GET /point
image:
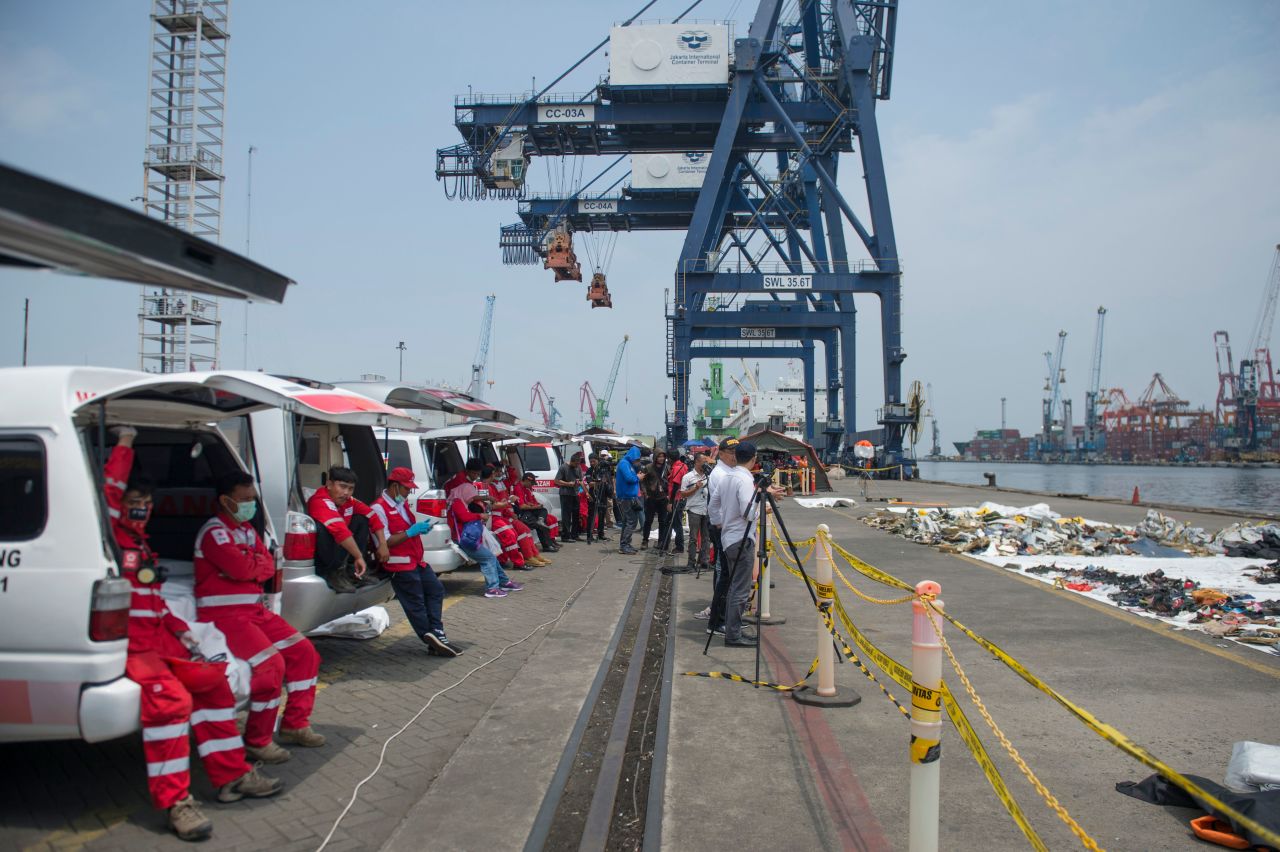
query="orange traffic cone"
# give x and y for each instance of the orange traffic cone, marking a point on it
(1135, 496)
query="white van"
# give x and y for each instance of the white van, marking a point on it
(63, 606)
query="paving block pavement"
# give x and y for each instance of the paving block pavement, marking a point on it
(72, 795)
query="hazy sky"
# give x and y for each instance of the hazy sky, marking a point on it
(1043, 159)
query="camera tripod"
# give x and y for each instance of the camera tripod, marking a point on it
(762, 500)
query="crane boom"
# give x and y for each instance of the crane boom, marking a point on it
(587, 402)
(481, 362)
(602, 403)
(550, 414)
(1092, 435)
(1261, 337)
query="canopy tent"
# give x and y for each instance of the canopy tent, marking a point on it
(45, 225)
(767, 439)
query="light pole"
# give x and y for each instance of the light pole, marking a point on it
(401, 347)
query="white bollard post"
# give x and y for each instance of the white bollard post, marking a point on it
(926, 723)
(826, 694)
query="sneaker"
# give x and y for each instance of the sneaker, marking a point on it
(628, 551)
(743, 641)
(512, 586)
(269, 753)
(495, 592)
(439, 644)
(306, 737)
(644, 545)
(703, 614)
(254, 784)
(603, 538)
(187, 822)
(719, 631)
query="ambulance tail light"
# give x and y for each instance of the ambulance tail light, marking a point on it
(109, 610)
(432, 503)
(299, 537)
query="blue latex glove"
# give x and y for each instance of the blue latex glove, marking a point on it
(418, 529)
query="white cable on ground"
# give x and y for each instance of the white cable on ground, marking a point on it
(383, 753)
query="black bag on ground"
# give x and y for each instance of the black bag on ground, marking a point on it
(1263, 807)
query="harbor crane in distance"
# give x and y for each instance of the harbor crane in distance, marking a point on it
(1094, 437)
(1053, 387)
(738, 144)
(597, 407)
(480, 363)
(550, 414)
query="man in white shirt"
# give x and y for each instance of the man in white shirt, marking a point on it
(693, 491)
(739, 511)
(724, 462)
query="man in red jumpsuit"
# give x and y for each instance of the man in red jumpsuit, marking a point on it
(160, 644)
(232, 563)
(333, 507)
(419, 590)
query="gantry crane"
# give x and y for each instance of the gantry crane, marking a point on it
(480, 364)
(764, 217)
(546, 403)
(1094, 437)
(1053, 387)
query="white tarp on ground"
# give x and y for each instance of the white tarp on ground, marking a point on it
(824, 502)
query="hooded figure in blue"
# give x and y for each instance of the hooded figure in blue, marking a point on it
(625, 481)
(627, 488)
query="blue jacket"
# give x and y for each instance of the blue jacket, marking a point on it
(626, 483)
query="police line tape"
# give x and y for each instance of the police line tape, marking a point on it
(1109, 733)
(901, 675)
(763, 684)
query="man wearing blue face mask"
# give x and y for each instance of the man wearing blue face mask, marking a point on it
(419, 590)
(231, 564)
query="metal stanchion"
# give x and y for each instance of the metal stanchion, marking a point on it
(926, 722)
(827, 694)
(764, 574)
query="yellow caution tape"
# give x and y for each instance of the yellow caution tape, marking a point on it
(902, 675)
(1118, 739)
(763, 684)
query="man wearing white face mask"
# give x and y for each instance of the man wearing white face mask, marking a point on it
(419, 590)
(231, 564)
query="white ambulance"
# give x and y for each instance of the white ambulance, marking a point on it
(63, 605)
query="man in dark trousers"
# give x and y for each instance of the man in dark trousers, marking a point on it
(675, 516)
(656, 501)
(569, 481)
(599, 478)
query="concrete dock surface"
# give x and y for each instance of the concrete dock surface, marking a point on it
(745, 768)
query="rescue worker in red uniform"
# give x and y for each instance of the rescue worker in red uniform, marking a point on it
(504, 506)
(419, 590)
(334, 507)
(179, 695)
(232, 563)
(530, 511)
(500, 525)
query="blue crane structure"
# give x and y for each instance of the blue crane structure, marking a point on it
(480, 364)
(765, 269)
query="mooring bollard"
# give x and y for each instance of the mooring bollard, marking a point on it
(926, 722)
(763, 574)
(826, 694)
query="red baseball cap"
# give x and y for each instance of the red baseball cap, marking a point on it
(402, 475)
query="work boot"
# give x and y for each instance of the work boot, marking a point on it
(254, 784)
(305, 737)
(269, 753)
(339, 582)
(187, 822)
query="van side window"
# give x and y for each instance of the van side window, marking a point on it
(24, 502)
(397, 453)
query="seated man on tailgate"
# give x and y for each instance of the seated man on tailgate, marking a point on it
(345, 529)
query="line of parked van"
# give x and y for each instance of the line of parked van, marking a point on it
(63, 603)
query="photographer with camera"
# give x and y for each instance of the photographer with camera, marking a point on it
(599, 478)
(656, 498)
(739, 509)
